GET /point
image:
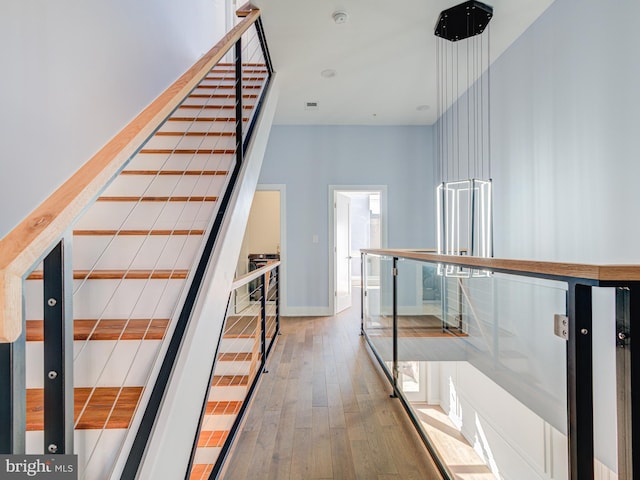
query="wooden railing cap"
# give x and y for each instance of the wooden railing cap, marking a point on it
(246, 9)
(578, 271)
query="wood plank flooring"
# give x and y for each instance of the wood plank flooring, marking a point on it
(323, 411)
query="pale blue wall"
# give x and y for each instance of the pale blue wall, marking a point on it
(310, 158)
(565, 112)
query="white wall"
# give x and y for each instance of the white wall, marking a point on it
(75, 72)
(565, 112)
(309, 158)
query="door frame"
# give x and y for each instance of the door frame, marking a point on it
(282, 188)
(333, 231)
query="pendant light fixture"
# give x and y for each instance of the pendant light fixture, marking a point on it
(464, 193)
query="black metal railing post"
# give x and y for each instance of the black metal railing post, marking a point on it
(13, 400)
(580, 382)
(276, 271)
(394, 274)
(58, 355)
(263, 44)
(239, 114)
(263, 320)
(627, 379)
(634, 377)
(362, 290)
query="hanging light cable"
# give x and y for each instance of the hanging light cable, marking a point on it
(464, 193)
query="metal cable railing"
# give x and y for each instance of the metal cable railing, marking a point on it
(117, 290)
(250, 328)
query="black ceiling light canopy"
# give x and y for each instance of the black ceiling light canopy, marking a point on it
(463, 21)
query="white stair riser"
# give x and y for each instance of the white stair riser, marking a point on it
(201, 142)
(213, 84)
(103, 363)
(147, 215)
(233, 368)
(206, 455)
(218, 422)
(182, 161)
(135, 252)
(166, 185)
(112, 299)
(226, 98)
(223, 394)
(237, 345)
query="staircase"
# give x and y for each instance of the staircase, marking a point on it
(237, 362)
(133, 256)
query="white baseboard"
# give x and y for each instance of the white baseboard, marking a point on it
(306, 312)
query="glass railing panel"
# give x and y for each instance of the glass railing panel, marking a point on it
(378, 306)
(482, 369)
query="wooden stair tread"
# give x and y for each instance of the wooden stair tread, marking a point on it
(203, 151)
(230, 381)
(217, 76)
(214, 107)
(195, 134)
(232, 95)
(202, 119)
(212, 438)
(158, 199)
(232, 86)
(160, 274)
(175, 172)
(235, 357)
(200, 471)
(238, 335)
(230, 407)
(104, 407)
(106, 329)
(112, 233)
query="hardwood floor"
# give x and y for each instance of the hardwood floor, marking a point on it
(323, 411)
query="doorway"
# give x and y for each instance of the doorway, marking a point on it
(358, 219)
(264, 238)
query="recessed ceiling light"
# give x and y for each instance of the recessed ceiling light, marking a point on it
(423, 108)
(340, 17)
(328, 73)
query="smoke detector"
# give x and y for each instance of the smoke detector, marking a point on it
(340, 17)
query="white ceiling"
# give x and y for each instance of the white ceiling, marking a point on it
(384, 56)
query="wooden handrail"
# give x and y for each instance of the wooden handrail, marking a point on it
(253, 274)
(245, 10)
(37, 233)
(596, 273)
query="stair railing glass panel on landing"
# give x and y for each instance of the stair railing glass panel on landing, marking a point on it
(484, 362)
